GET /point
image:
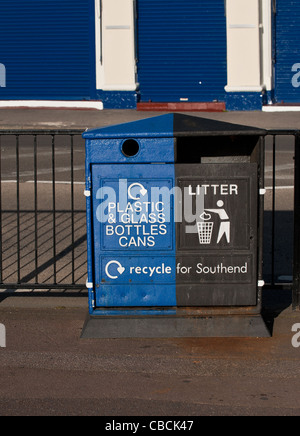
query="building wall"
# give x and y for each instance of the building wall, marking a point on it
(249, 53)
(116, 82)
(287, 51)
(123, 51)
(182, 50)
(47, 48)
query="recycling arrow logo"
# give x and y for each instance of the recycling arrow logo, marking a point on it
(142, 190)
(120, 269)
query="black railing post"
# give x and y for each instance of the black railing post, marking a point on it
(296, 279)
(18, 208)
(36, 248)
(72, 208)
(54, 210)
(1, 245)
(273, 214)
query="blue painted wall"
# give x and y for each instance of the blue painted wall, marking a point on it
(288, 51)
(182, 50)
(47, 52)
(48, 49)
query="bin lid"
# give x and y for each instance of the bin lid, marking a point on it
(172, 125)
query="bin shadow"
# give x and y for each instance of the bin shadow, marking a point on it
(278, 254)
(28, 255)
(278, 264)
(274, 302)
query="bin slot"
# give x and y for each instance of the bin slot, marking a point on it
(217, 149)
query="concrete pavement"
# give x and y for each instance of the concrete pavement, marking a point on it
(82, 119)
(46, 369)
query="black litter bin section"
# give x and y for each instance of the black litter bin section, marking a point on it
(197, 273)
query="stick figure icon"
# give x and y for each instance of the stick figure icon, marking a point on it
(225, 222)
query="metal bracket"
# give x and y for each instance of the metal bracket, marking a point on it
(89, 285)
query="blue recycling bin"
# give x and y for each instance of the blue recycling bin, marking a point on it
(170, 240)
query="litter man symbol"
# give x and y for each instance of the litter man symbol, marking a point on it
(225, 223)
(206, 226)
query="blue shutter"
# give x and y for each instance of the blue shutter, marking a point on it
(45, 46)
(182, 50)
(288, 51)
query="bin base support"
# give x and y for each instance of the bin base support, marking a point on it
(113, 327)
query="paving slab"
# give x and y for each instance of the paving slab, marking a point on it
(48, 369)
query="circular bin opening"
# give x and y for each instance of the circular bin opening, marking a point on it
(130, 148)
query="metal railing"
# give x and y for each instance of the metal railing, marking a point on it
(296, 259)
(284, 221)
(42, 210)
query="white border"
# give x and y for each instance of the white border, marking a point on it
(271, 108)
(52, 104)
(229, 88)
